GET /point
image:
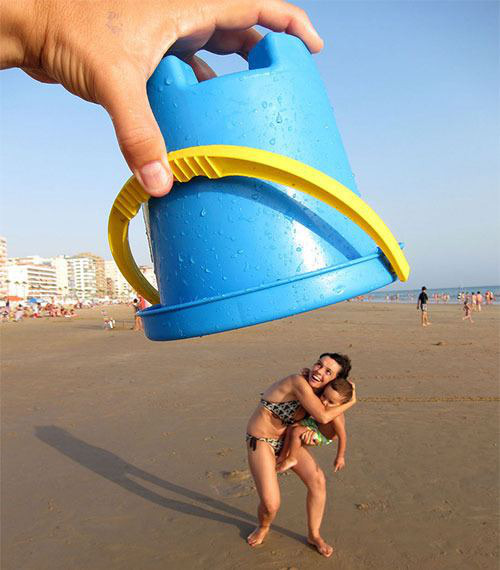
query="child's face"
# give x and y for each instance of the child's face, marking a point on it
(330, 398)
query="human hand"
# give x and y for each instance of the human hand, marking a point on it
(339, 464)
(353, 398)
(105, 51)
(309, 438)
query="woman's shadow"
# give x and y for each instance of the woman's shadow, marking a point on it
(115, 469)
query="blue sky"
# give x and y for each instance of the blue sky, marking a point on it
(415, 89)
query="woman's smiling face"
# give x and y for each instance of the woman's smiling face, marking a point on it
(324, 371)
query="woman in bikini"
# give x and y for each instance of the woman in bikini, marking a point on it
(282, 404)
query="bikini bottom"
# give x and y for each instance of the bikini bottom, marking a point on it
(276, 444)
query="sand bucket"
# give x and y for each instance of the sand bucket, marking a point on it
(248, 234)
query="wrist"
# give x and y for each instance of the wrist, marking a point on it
(22, 32)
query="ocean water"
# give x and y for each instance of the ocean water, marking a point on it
(411, 295)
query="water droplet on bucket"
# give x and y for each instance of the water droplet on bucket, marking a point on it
(264, 104)
(298, 249)
(272, 141)
(168, 81)
(279, 118)
(203, 212)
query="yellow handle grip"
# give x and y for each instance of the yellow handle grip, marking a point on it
(218, 161)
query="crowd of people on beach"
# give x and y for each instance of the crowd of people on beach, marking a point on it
(19, 310)
(470, 302)
(36, 311)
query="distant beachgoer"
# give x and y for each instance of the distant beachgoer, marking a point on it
(423, 298)
(479, 300)
(136, 304)
(468, 311)
(18, 314)
(474, 301)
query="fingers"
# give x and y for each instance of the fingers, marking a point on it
(276, 15)
(240, 41)
(201, 68)
(123, 94)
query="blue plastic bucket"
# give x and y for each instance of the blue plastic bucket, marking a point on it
(236, 252)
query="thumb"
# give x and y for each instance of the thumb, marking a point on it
(138, 134)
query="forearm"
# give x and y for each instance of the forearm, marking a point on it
(329, 414)
(342, 445)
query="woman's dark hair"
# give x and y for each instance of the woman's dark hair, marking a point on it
(342, 360)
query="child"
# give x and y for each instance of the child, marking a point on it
(468, 311)
(336, 393)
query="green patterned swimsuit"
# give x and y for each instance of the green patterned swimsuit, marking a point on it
(313, 426)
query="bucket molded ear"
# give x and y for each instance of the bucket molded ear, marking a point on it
(278, 49)
(171, 73)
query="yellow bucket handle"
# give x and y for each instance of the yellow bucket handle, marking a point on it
(218, 161)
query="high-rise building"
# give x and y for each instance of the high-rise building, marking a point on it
(3, 267)
(117, 286)
(100, 277)
(149, 274)
(81, 277)
(32, 280)
(60, 263)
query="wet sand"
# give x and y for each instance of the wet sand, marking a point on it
(121, 453)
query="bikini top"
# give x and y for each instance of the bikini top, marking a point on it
(284, 411)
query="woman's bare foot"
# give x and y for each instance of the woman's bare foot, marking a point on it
(321, 546)
(286, 464)
(257, 536)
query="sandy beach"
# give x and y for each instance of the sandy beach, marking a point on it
(121, 453)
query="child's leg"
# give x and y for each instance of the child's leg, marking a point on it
(294, 445)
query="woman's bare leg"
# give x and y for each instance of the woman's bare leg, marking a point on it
(262, 464)
(314, 479)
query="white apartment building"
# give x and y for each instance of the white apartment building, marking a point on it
(149, 274)
(117, 286)
(81, 277)
(60, 264)
(30, 280)
(3, 267)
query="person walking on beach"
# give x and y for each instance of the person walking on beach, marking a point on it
(423, 298)
(136, 305)
(479, 301)
(474, 301)
(282, 404)
(468, 311)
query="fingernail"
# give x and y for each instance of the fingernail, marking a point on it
(155, 178)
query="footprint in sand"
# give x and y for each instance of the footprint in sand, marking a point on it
(443, 510)
(237, 483)
(372, 506)
(224, 452)
(232, 491)
(237, 475)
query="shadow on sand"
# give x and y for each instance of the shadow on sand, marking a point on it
(115, 469)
